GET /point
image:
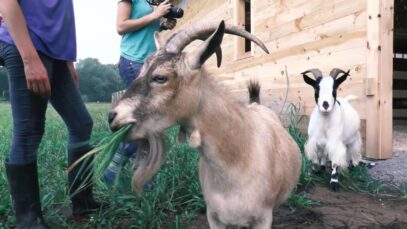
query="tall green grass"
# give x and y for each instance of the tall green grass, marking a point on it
(174, 202)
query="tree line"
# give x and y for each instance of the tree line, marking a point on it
(97, 81)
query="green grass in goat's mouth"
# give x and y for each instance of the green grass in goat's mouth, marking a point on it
(103, 154)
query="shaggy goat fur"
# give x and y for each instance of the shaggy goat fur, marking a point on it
(249, 163)
(333, 131)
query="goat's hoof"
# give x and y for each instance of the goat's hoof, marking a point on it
(367, 164)
(334, 186)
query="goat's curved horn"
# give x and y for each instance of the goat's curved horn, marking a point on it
(336, 71)
(315, 71)
(177, 42)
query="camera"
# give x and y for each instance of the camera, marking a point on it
(175, 12)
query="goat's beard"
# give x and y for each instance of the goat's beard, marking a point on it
(150, 154)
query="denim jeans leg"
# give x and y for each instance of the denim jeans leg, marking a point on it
(28, 109)
(129, 71)
(66, 100)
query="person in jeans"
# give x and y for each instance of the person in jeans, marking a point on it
(136, 22)
(38, 48)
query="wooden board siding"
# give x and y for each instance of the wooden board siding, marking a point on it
(379, 134)
(304, 34)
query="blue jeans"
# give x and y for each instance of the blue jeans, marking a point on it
(129, 71)
(28, 109)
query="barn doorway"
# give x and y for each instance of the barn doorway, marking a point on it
(400, 76)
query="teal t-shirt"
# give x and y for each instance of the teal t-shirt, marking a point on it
(138, 45)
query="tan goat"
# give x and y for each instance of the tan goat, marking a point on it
(249, 163)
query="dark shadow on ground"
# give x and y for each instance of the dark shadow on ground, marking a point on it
(343, 209)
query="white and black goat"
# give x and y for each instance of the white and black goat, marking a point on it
(333, 131)
(249, 163)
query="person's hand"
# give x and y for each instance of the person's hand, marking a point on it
(168, 23)
(37, 77)
(74, 74)
(162, 9)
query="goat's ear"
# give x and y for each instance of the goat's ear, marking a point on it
(198, 57)
(341, 78)
(159, 43)
(218, 52)
(308, 79)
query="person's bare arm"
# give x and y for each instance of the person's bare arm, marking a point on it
(35, 72)
(125, 24)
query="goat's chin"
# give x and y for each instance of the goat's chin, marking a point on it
(324, 112)
(135, 134)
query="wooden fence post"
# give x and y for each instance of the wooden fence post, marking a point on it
(116, 97)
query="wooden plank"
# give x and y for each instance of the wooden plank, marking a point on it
(327, 11)
(296, 50)
(239, 20)
(380, 67)
(334, 28)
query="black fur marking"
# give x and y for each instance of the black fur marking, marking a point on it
(254, 91)
(337, 82)
(334, 186)
(316, 88)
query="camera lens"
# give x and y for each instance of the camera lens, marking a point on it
(175, 12)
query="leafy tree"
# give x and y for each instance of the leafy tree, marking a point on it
(98, 81)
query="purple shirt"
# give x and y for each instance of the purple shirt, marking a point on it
(51, 25)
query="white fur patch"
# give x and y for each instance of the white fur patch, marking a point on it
(325, 94)
(195, 140)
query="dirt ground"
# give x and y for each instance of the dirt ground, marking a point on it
(394, 170)
(345, 210)
(351, 210)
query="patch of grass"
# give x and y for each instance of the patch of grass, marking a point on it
(174, 202)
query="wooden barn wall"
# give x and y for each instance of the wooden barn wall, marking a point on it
(300, 34)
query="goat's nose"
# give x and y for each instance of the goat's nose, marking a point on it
(325, 105)
(111, 116)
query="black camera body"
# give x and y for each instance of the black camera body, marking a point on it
(175, 12)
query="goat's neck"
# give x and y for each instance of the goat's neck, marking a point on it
(223, 127)
(332, 118)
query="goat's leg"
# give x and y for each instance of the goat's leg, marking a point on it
(353, 151)
(314, 153)
(334, 183)
(337, 153)
(265, 222)
(311, 151)
(213, 220)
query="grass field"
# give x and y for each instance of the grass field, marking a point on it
(174, 203)
(175, 200)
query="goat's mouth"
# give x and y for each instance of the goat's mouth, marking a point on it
(117, 126)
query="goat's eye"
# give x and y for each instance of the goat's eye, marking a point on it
(160, 79)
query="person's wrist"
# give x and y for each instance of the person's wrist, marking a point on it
(154, 16)
(29, 56)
